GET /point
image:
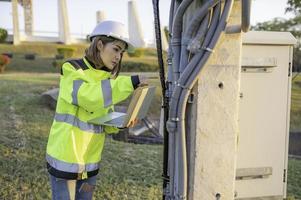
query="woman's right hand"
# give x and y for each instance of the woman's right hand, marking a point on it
(143, 80)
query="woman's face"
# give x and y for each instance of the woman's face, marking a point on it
(111, 53)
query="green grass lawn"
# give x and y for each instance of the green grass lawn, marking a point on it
(295, 119)
(294, 178)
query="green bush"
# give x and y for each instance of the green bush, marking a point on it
(150, 52)
(129, 66)
(30, 56)
(136, 52)
(59, 57)
(66, 52)
(58, 63)
(3, 35)
(4, 60)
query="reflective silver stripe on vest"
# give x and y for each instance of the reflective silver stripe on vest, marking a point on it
(74, 121)
(106, 92)
(76, 86)
(70, 167)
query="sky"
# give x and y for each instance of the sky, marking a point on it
(82, 14)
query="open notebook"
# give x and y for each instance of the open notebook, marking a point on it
(137, 109)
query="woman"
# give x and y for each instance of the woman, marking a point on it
(89, 88)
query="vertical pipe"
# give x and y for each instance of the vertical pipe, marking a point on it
(245, 15)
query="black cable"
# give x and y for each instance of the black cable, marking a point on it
(165, 99)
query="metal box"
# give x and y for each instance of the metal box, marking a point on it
(264, 115)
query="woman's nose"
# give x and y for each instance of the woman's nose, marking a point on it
(118, 56)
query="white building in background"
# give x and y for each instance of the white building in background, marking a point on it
(64, 31)
(100, 16)
(16, 31)
(64, 36)
(134, 25)
(164, 42)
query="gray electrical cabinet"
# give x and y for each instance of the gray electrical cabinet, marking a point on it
(264, 115)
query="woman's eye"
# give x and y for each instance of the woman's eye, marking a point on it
(115, 49)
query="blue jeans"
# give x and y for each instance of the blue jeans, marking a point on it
(83, 188)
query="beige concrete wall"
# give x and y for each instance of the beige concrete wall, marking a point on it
(217, 118)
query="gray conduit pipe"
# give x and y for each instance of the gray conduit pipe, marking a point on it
(245, 19)
(245, 15)
(173, 7)
(205, 47)
(170, 163)
(195, 43)
(189, 77)
(176, 40)
(175, 47)
(184, 92)
(196, 59)
(198, 17)
(169, 54)
(176, 37)
(192, 26)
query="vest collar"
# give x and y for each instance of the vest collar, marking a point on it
(104, 68)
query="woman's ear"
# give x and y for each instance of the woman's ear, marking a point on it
(99, 45)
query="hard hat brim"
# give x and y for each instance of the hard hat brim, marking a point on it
(129, 44)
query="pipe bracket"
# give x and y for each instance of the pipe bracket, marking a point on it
(171, 126)
(175, 41)
(208, 49)
(183, 87)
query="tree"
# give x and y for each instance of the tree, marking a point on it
(292, 25)
(294, 6)
(279, 24)
(3, 35)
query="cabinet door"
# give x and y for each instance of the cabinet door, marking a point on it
(263, 117)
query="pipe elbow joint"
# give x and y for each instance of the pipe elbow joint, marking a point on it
(171, 126)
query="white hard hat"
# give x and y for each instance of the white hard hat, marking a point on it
(111, 29)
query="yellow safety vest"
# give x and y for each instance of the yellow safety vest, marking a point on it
(74, 146)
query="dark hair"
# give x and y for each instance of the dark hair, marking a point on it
(93, 55)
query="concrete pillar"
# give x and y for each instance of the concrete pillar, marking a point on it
(214, 159)
(100, 16)
(64, 33)
(28, 17)
(15, 22)
(134, 25)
